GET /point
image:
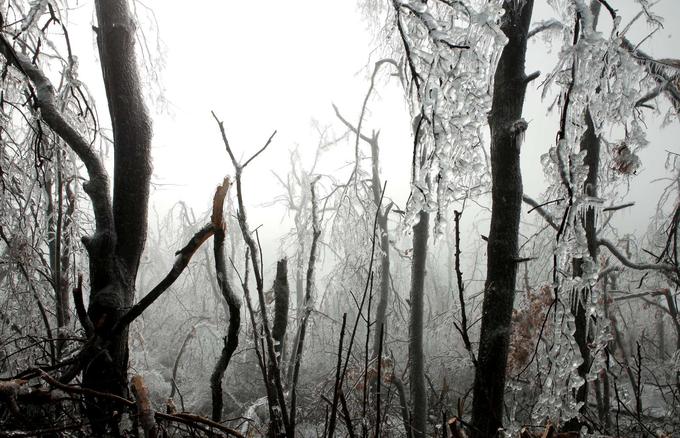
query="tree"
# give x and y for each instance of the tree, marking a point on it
(507, 128)
(448, 104)
(576, 314)
(115, 248)
(576, 329)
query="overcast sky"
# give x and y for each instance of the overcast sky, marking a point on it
(273, 65)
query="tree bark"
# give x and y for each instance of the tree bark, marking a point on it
(415, 340)
(281, 301)
(376, 185)
(114, 256)
(507, 128)
(131, 132)
(233, 303)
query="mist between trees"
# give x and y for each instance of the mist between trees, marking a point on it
(472, 306)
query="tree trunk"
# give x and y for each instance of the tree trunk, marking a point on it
(415, 339)
(507, 129)
(115, 252)
(233, 303)
(281, 301)
(306, 311)
(591, 144)
(59, 244)
(384, 245)
(115, 248)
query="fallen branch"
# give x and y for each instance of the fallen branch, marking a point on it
(184, 418)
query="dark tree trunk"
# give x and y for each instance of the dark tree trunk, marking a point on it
(231, 340)
(115, 248)
(591, 144)
(507, 129)
(281, 301)
(415, 340)
(115, 251)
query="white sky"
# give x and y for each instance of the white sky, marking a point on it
(270, 65)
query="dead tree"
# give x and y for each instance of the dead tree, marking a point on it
(273, 381)
(376, 185)
(307, 310)
(281, 302)
(234, 305)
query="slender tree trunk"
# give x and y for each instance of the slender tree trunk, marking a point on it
(59, 247)
(591, 144)
(381, 311)
(507, 129)
(281, 302)
(233, 303)
(415, 340)
(306, 311)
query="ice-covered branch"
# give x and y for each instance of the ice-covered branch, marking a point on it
(98, 186)
(544, 26)
(665, 267)
(541, 211)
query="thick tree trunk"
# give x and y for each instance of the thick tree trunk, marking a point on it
(415, 340)
(115, 251)
(507, 129)
(115, 248)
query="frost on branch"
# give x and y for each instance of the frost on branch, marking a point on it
(450, 51)
(555, 401)
(595, 76)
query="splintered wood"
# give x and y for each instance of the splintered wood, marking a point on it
(146, 413)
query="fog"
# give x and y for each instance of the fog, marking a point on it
(590, 345)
